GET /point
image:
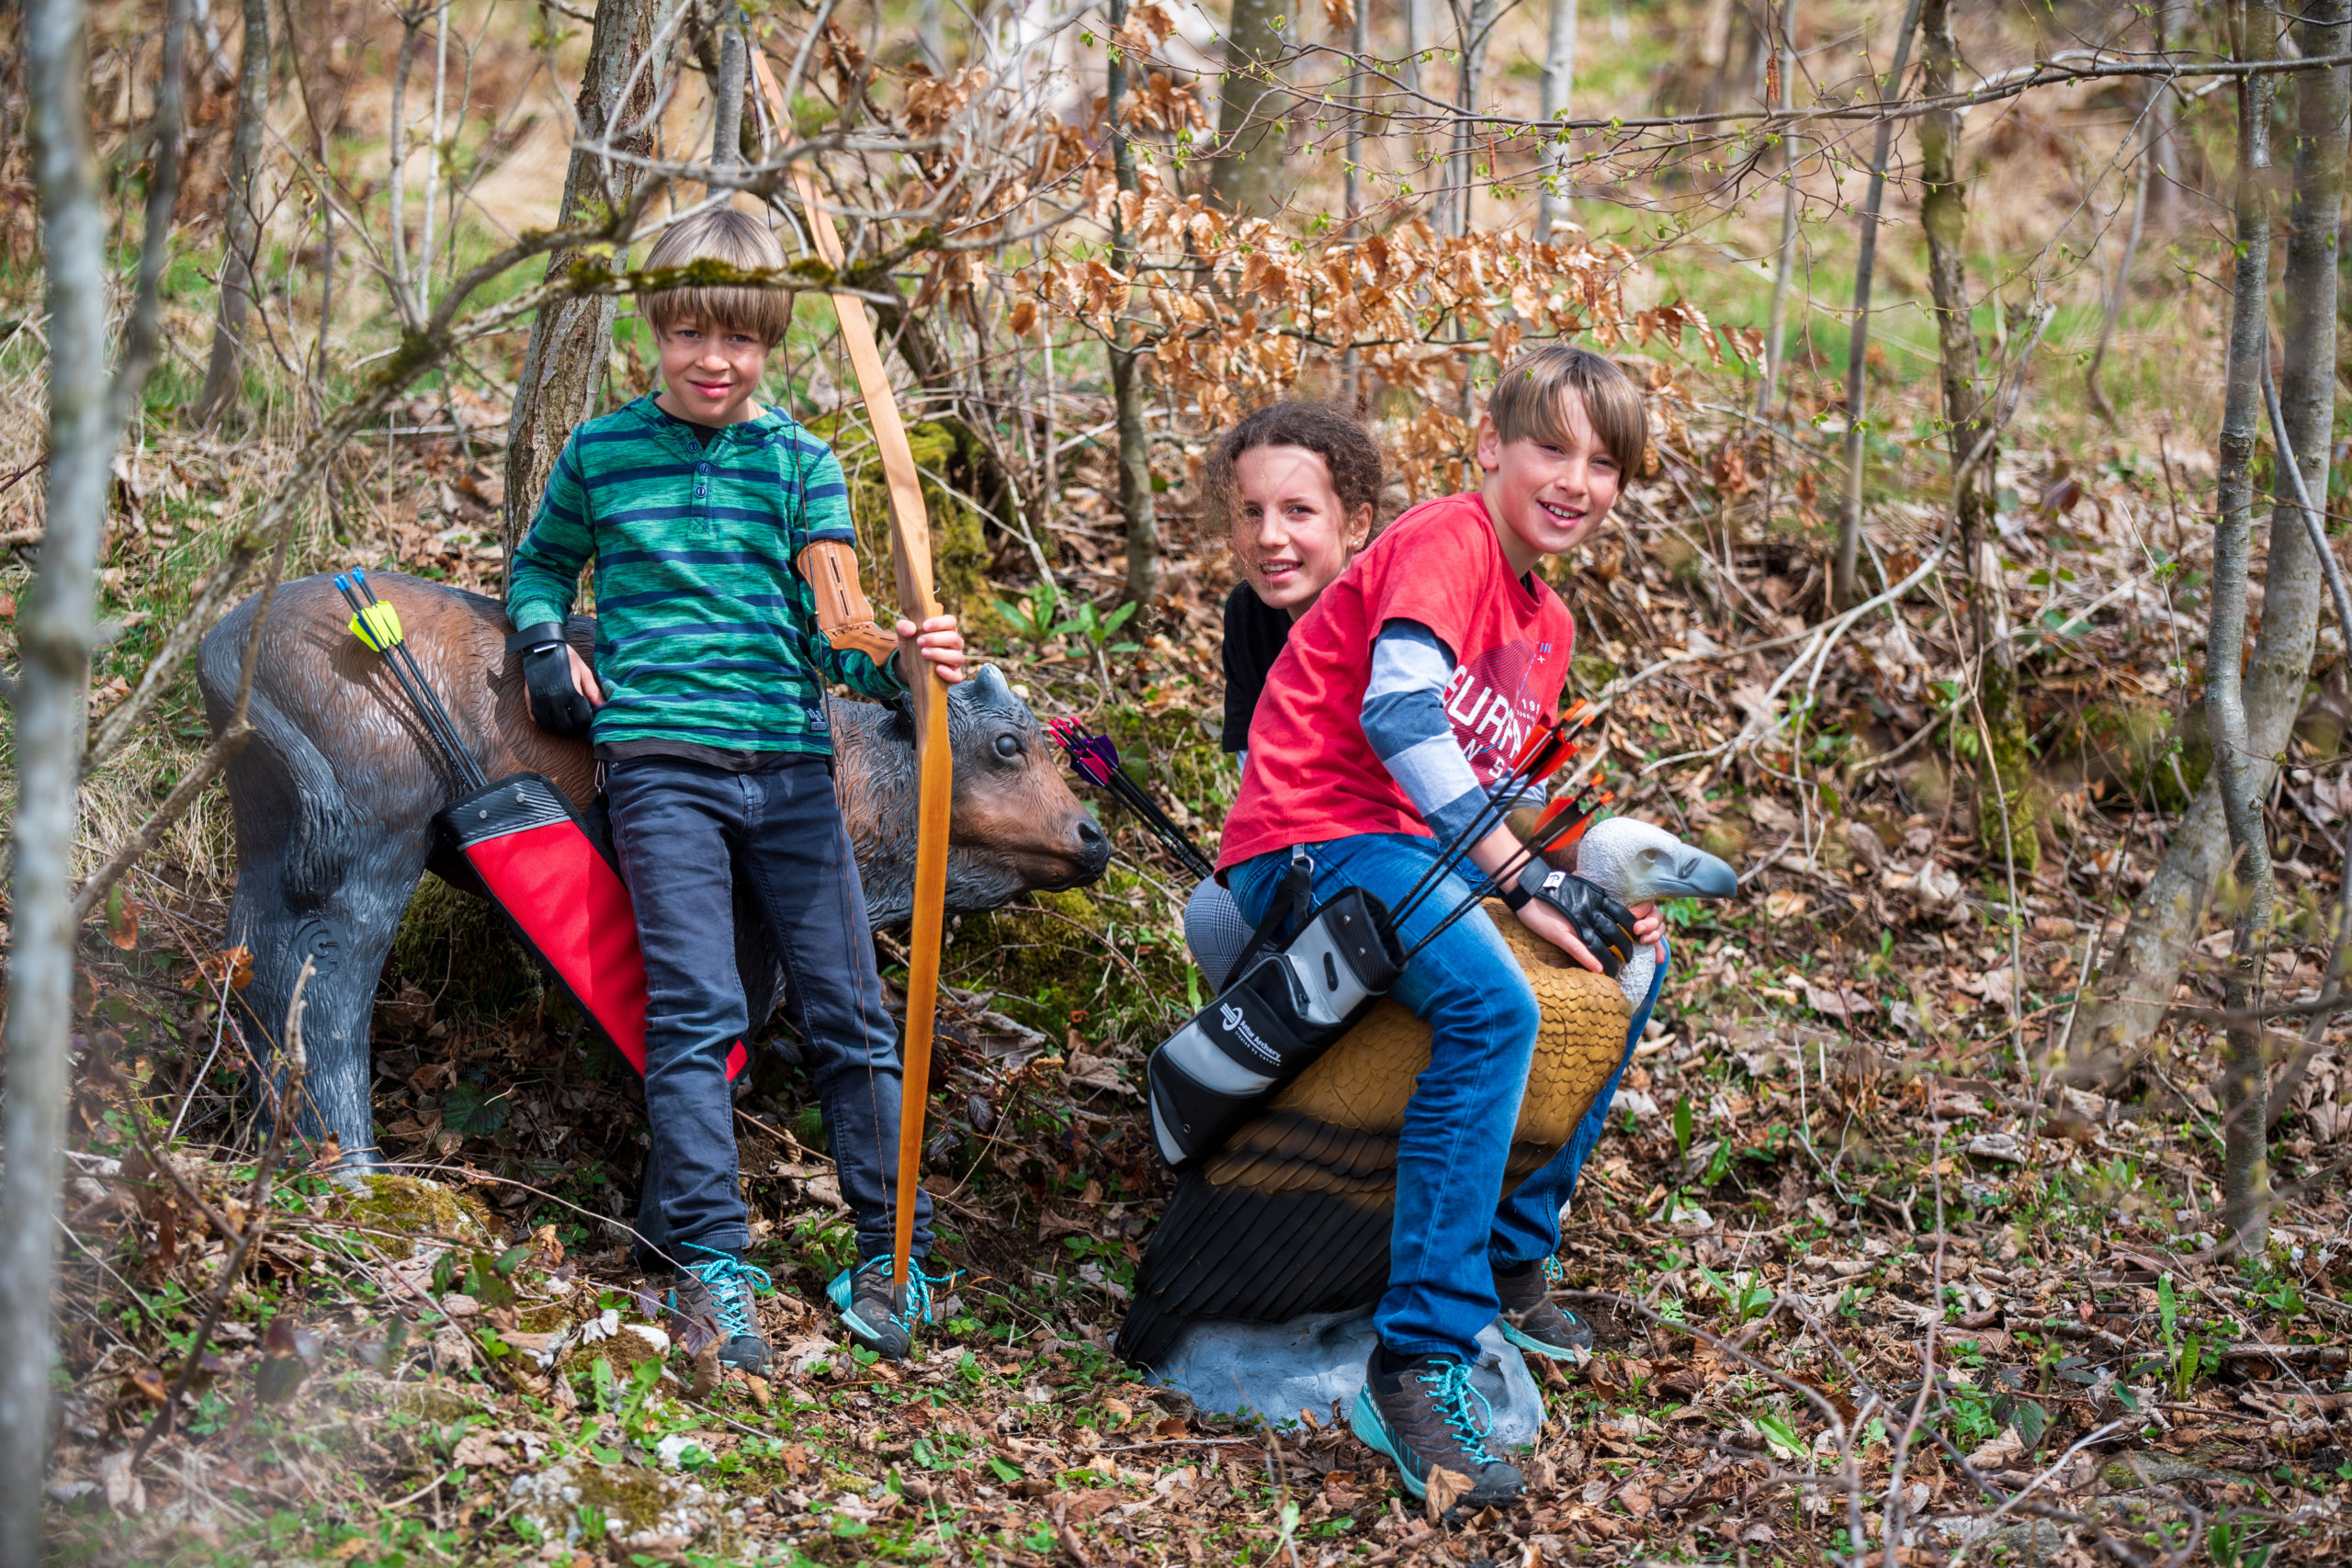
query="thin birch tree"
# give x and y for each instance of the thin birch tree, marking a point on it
(241, 226)
(727, 94)
(2128, 995)
(1136, 505)
(1786, 262)
(1844, 588)
(86, 410)
(1559, 85)
(2244, 1087)
(2005, 816)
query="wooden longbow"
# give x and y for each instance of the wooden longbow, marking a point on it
(934, 766)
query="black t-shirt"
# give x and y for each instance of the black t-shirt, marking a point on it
(704, 434)
(1254, 636)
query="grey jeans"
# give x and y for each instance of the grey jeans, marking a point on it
(1215, 932)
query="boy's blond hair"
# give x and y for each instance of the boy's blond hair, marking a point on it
(732, 239)
(1530, 401)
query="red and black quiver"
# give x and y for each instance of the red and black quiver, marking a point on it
(537, 862)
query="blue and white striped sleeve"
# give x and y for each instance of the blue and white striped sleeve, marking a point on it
(1404, 718)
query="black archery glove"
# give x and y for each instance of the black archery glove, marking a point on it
(557, 706)
(1602, 924)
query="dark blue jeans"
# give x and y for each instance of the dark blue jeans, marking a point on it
(1453, 1225)
(684, 831)
(1527, 1224)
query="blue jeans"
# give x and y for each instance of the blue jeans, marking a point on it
(684, 831)
(1453, 1225)
(1527, 1224)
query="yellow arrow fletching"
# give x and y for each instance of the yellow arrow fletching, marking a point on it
(379, 625)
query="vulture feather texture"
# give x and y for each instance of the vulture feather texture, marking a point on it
(1293, 1215)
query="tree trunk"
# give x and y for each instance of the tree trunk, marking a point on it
(2092, 392)
(563, 368)
(1126, 375)
(1559, 83)
(931, 28)
(1477, 29)
(2245, 1087)
(1250, 99)
(1359, 48)
(2130, 991)
(1351, 194)
(726, 99)
(2170, 23)
(86, 408)
(240, 230)
(1776, 320)
(1843, 587)
(2005, 815)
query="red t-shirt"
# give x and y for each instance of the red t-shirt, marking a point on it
(1312, 773)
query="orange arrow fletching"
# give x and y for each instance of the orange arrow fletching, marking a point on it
(1541, 736)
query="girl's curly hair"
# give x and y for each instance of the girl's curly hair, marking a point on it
(1343, 445)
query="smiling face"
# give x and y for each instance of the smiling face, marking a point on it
(1546, 493)
(1290, 529)
(710, 372)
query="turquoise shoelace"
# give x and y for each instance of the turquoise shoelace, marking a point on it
(1556, 1273)
(1453, 1390)
(722, 1275)
(918, 1286)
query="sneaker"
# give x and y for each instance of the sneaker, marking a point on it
(712, 1301)
(1420, 1418)
(1532, 1320)
(864, 1297)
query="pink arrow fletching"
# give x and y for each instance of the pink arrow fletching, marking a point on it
(1090, 754)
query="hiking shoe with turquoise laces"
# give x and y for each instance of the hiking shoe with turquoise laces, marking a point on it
(712, 1301)
(1532, 1320)
(863, 1296)
(1421, 1418)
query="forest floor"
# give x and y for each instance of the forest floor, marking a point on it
(1847, 1188)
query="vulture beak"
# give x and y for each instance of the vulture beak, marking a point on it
(1690, 873)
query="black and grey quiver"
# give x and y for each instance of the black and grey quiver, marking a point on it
(1289, 1002)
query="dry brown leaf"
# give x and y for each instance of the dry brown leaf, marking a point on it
(235, 963)
(122, 921)
(148, 1382)
(1446, 1487)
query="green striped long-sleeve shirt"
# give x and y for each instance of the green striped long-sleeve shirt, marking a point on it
(705, 635)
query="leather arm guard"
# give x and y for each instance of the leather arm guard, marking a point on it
(1602, 924)
(843, 613)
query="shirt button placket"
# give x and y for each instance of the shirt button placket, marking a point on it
(702, 491)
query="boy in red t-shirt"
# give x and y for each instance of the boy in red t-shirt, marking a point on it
(1400, 700)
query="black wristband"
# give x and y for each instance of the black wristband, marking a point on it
(539, 636)
(1517, 898)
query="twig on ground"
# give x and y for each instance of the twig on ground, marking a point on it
(284, 1098)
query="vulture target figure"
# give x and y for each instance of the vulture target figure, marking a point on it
(1293, 1215)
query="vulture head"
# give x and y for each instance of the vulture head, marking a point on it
(1635, 863)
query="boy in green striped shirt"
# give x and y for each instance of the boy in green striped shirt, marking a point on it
(728, 603)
